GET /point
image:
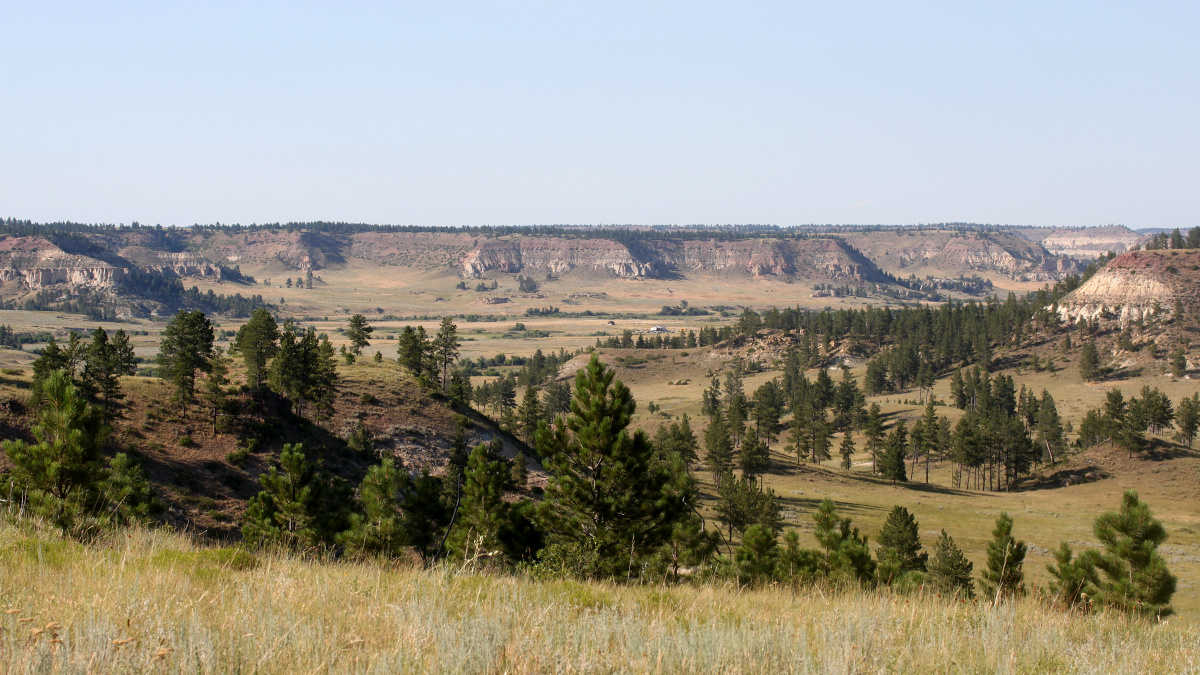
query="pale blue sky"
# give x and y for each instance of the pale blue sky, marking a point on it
(443, 113)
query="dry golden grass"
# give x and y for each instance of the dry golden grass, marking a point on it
(153, 601)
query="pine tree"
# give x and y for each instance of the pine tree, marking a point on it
(445, 348)
(1187, 418)
(185, 349)
(846, 450)
(754, 457)
(892, 464)
(899, 548)
(104, 363)
(214, 385)
(1005, 561)
(949, 570)
(718, 447)
(873, 429)
(758, 557)
(1136, 579)
(60, 474)
(361, 440)
(1089, 361)
(359, 332)
(530, 414)
(378, 526)
(481, 513)
(426, 509)
(128, 494)
(1050, 427)
(847, 553)
(1074, 578)
(606, 494)
(257, 341)
(411, 349)
(283, 511)
(1179, 362)
(519, 475)
(287, 368)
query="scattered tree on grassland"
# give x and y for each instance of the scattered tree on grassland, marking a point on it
(1004, 575)
(949, 569)
(445, 348)
(899, 549)
(186, 348)
(359, 332)
(257, 341)
(377, 528)
(847, 555)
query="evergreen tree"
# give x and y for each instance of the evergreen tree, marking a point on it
(283, 511)
(895, 450)
(426, 510)
(949, 570)
(214, 385)
(1050, 427)
(1005, 562)
(411, 350)
(445, 348)
(530, 414)
(847, 553)
(1187, 418)
(59, 476)
(718, 447)
(754, 458)
(606, 494)
(519, 475)
(899, 548)
(476, 532)
(257, 341)
(1074, 578)
(1089, 361)
(298, 507)
(1136, 579)
(185, 349)
(358, 333)
(288, 366)
(1179, 362)
(757, 558)
(128, 494)
(460, 391)
(378, 527)
(361, 440)
(873, 429)
(104, 363)
(846, 450)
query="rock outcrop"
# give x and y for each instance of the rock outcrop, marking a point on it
(36, 263)
(825, 259)
(1089, 242)
(1135, 285)
(951, 252)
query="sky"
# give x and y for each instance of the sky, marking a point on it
(510, 113)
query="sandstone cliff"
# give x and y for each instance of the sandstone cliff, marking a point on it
(1090, 242)
(824, 259)
(950, 253)
(35, 263)
(1134, 285)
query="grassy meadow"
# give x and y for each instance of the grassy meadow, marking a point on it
(156, 601)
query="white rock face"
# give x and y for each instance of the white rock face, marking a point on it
(1125, 293)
